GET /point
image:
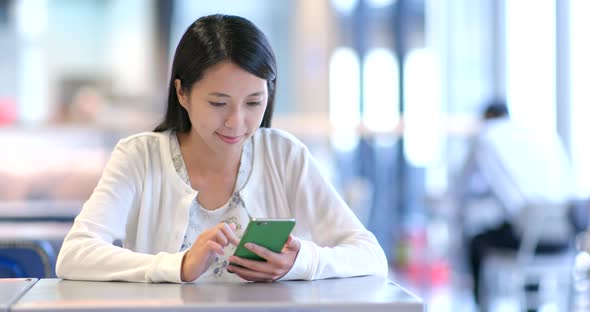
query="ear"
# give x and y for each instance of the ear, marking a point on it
(180, 94)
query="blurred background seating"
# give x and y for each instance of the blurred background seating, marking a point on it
(19, 259)
(29, 248)
(531, 276)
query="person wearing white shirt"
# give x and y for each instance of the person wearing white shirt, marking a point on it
(522, 168)
(179, 198)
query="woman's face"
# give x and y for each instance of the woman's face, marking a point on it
(225, 107)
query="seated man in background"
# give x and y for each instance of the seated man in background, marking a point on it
(523, 168)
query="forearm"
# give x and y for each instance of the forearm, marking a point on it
(362, 256)
(83, 257)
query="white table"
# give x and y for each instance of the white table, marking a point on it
(349, 294)
(11, 289)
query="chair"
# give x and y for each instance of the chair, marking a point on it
(524, 278)
(27, 258)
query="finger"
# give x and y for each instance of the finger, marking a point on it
(252, 275)
(220, 238)
(229, 230)
(214, 247)
(259, 266)
(292, 244)
(289, 240)
(246, 263)
(262, 252)
(288, 244)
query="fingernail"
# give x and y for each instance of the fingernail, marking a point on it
(249, 245)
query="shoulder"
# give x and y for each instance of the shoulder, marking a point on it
(277, 139)
(144, 143)
(278, 144)
(146, 139)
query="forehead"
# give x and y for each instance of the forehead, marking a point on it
(227, 77)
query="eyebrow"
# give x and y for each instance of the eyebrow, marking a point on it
(219, 94)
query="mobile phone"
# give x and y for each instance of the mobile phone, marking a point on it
(269, 233)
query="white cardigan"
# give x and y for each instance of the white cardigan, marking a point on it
(141, 200)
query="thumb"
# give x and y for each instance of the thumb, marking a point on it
(292, 243)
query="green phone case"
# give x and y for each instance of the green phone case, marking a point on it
(269, 233)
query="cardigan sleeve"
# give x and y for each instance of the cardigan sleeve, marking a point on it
(340, 246)
(88, 252)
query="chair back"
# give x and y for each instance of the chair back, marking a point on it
(542, 223)
(508, 273)
(26, 259)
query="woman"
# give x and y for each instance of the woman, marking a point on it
(180, 197)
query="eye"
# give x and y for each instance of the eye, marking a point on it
(254, 103)
(217, 104)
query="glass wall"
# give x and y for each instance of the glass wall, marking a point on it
(579, 49)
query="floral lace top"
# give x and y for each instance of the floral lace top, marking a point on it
(201, 219)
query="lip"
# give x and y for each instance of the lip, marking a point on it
(229, 139)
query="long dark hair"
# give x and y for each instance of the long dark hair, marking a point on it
(208, 41)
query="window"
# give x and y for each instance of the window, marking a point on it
(580, 94)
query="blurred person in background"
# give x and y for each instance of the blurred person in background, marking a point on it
(180, 197)
(87, 105)
(82, 104)
(520, 168)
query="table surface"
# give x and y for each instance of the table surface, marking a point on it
(12, 288)
(368, 293)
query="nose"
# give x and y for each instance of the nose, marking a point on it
(234, 117)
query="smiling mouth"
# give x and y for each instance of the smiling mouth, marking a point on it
(229, 139)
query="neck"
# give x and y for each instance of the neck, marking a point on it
(203, 159)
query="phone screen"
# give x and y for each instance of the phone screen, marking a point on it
(269, 233)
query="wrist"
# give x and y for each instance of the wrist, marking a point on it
(183, 268)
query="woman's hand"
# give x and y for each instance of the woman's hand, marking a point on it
(275, 267)
(206, 247)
